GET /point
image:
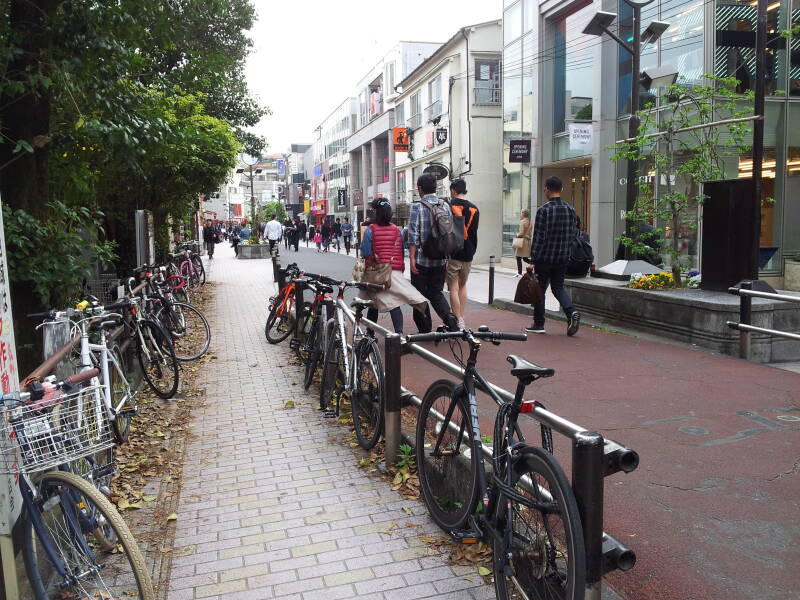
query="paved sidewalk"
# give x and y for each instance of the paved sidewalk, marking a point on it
(270, 506)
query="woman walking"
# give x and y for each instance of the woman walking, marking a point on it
(383, 243)
(523, 248)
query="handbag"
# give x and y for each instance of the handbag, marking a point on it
(517, 243)
(378, 272)
(528, 290)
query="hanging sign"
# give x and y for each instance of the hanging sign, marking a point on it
(580, 136)
(438, 170)
(441, 135)
(400, 137)
(519, 151)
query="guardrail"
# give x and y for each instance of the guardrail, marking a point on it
(744, 326)
(593, 457)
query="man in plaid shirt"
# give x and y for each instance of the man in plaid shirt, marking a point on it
(553, 232)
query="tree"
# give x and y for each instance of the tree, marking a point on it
(273, 207)
(681, 148)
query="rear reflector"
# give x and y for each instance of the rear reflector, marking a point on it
(527, 406)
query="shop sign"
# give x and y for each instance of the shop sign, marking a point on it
(519, 151)
(438, 170)
(441, 135)
(400, 136)
(580, 136)
(281, 167)
(429, 139)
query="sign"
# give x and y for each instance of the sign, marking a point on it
(400, 137)
(281, 167)
(438, 170)
(429, 139)
(519, 151)
(341, 196)
(580, 136)
(441, 135)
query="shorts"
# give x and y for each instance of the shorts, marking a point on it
(457, 270)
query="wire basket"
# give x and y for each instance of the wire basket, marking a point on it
(42, 434)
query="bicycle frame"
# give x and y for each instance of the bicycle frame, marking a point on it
(106, 361)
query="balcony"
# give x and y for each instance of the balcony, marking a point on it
(487, 96)
(414, 122)
(433, 111)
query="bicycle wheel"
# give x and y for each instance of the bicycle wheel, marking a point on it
(199, 269)
(543, 545)
(333, 382)
(448, 471)
(313, 352)
(99, 470)
(70, 509)
(368, 393)
(120, 390)
(281, 319)
(192, 275)
(188, 327)
(157, 358)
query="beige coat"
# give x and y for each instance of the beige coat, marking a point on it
(526, 232)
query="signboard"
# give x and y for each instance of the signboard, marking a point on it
(145, 238)
(580, 136)
(441, 135)
(400, 137)
(281, 167)
(438, 170)
(519, 151)
(429, 139)
(341, 196)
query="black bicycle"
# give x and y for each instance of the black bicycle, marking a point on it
(525, 509)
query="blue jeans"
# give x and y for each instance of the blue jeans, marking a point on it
(549, 274)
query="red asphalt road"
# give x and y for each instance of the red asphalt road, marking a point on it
(712, 511)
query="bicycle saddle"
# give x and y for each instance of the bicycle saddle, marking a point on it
(523, 368)
(361, 302)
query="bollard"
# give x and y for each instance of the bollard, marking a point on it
(587, 484)
(300, 317)
(745, 316)
(491, 279)
(392, 397)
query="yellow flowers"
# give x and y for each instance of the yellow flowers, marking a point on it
(657, 281)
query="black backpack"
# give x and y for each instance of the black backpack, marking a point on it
(581, 249)
(446, 237)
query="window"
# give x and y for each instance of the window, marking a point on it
(572, 69)
(416, 112)
(487, 81)
(401, 183)
(512, 23)
(400, 114)
(390, 79)
(435, 97)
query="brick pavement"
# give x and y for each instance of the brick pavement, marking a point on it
(270, 507)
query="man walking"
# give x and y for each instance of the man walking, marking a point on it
(459, 264)
(273, 233)
(553, 232)
(347, 234)
(427, 274)
(337, 234)
(209, 238)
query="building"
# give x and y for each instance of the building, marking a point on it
(294, 191)
(370, 146)
(555, 77)
(329, 184)
(451, 108)
(227, 202)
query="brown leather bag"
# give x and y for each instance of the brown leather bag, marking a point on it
(528, 290)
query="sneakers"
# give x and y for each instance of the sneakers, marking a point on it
(574, 323)
(535, 329)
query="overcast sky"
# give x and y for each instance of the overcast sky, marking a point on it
(308, 55)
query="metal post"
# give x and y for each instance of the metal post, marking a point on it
(632, 184)
(745, 317)
(758, 127)
(299, 321)
(252, 204)
(491, 279)
(393, 401)
(587, 483)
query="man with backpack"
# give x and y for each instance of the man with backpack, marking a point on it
(465, 217)
(581, 256)
(431, 237)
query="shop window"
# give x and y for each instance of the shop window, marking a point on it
(512, 23)
(573, 77)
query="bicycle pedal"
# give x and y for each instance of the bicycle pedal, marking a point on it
(329, 414)
(128, 410)
(465, 536)
(294, 344)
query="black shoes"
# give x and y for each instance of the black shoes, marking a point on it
(574, 321)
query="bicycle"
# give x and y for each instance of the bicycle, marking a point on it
(354, 369)
(191, 267)
(526, 509)
(311, 346)
(74, 542)
(282, 312)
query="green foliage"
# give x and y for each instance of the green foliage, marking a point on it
(406, 458)
(273, 207)
(52, 255)
(682, 160)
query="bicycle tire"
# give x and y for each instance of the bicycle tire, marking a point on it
(121, 423)
(539, 568)
(332, 368)
(313, 343)
(162, 359)
(368, 396)
(190, 272)
(184, 323)
(449, 503)
(199, 269)
(287, 319)
(62, 483)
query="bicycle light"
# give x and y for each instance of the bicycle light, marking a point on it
(527, 406)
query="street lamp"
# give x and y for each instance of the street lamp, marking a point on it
(250, 161)
(660, 76)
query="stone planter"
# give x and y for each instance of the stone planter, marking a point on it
(791, 275)
(254, 251)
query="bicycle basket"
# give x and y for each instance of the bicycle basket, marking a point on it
(43, 434)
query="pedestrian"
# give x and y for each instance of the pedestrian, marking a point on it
(311, 235)
(337, 234)
(273, 232)
(302, 231)
(209, 238)
(318, 240)
(287, 232)
(246, 232)
(581, 256)
(383, 243)
(427, 274)
(522, 241)
(296, 234)
(326, 235)
(234, 237)
(460, 263)
(347, 234)
(553, 232)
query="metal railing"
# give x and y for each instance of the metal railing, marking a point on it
(433, 111)
(415, 121)
(746, 294)
(487, 96)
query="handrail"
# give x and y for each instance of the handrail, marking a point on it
(756, 294)
(746, 293)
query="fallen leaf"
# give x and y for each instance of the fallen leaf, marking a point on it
(149, 498)
(165, 550)
(483, 571)
(172, 516)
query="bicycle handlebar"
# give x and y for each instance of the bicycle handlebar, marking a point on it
(82, 376)
(117, 305)
(466, 334)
